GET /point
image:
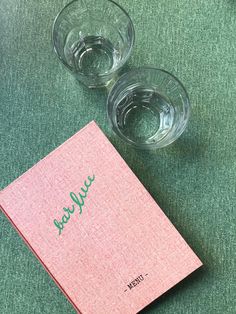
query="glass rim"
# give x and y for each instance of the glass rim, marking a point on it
(119, 66)
(143, 145)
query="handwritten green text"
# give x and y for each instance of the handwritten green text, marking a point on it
(78, 200)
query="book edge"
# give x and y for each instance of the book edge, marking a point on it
(200, 264)
(40, 260)
(48, 155)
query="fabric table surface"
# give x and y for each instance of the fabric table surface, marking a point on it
(193, 180)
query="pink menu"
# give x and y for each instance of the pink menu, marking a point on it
(95, 228)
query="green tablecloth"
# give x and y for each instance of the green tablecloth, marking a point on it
(193, 180)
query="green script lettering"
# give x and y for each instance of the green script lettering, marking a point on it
(78, 200)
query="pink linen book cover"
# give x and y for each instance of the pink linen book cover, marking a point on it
(95, 228)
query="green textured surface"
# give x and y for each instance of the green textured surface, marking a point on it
(193, 180)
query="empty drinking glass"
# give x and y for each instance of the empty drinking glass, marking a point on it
(148, 108)
(93, 39)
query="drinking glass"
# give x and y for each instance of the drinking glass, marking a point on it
(93, 39)
(148, 108)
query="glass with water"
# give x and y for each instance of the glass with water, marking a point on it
(147, 108)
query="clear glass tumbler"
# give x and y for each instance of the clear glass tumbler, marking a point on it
(93, 39)
(148, 108)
